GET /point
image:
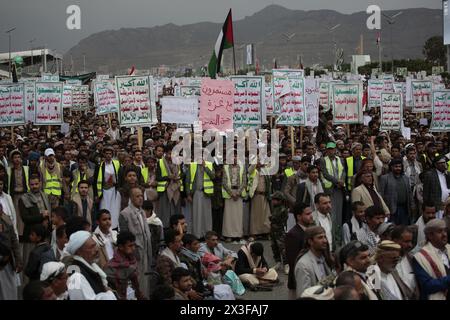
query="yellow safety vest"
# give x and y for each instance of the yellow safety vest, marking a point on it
(208, 185)
(27, 173)
(77, 180)
(326, 183)
(289, 172)
(350, 172)
(144, 172)
(251, 180)
(226, 169)
(52, 184)
(162, 184)
(448, 165)
(116, 165)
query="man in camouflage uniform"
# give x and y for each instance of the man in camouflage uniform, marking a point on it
(278, 222)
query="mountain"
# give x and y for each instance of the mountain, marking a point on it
(192, 45)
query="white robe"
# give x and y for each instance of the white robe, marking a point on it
(8, 209)
(80, 289)
(111, 198)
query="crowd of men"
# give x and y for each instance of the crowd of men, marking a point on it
(352, 213)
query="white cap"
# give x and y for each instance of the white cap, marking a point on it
(49, 152)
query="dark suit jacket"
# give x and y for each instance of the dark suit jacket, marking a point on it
(301, 190)
(10, 238)
(388, 187)
(40, 255)
(31, 215)
(294, 243)
(432, 188)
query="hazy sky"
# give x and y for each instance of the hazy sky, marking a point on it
(45, 20)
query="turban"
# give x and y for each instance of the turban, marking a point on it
(388, 245)
(318, 293)
(52, 270)
(76, 241)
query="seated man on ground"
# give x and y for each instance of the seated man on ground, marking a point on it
(252, 268)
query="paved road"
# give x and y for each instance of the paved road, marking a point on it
(280, 291)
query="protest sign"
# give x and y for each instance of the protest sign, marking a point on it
(402, 72)
(268, 92)
(388, 80)
(324, 95)
(375, 88)
(441, 111)
(48, 77)
(48, 103)
(216, 104)
(12, 104)
(102, 77)
(29, 98)
(312, 102)
(105, 97)
(67, 96)
(293, 104)
(347, 99)
(80, 97)
(280, 88)
(296, 73)
(76, 82)
(248, 101)
(437, 70)
(134, 98)
(421, 95)
(391, 111)
(179, 110)
(189, 91)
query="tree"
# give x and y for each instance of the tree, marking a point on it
(435, 51)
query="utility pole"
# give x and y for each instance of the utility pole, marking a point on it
(9, 57)
(31, 48)
(334, 45)
(391, 22)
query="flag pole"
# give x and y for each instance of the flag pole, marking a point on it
(234, 52)
(234, 60)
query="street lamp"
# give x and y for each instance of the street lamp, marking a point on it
(288, 38)
(31, 47)
(9, 35)
(334, 42)
(391, 22)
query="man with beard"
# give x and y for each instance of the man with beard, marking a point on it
(355, 257)
(34, 208)
(431, 264)
(428, 213)
(403, 236)
(295, 242)
(133, 219)
(87, 281)
(313, 266)
(396, 192)
(382, 275)
(18, 184)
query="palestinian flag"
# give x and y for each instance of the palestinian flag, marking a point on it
(224, 41)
